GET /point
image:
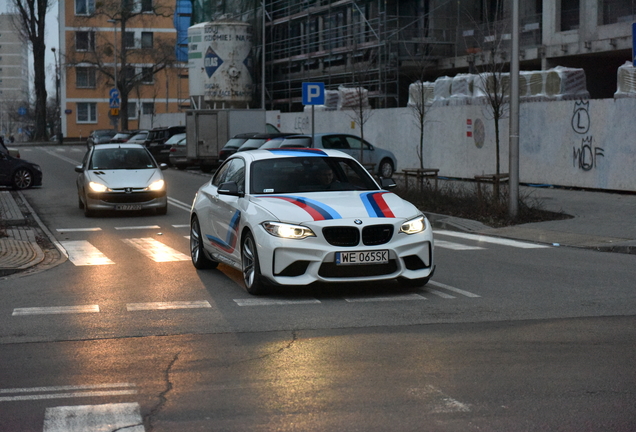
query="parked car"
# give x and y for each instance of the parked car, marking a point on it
(123, 136)
(100, 136)
(178, 152)
(139, 138)
(233, 144)
(297, 216)
(19, 173)
(259, 140)
(120, 177)
(156, 142)
(383, 161)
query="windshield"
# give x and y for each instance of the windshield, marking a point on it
(252, 143)
(297, 142)
(176, 138)
(309, 174)
(121, 158)
(140, 136)
(273, 143)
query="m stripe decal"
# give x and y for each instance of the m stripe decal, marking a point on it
(317, 210)
(375, 204)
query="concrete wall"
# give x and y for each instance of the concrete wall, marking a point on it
(590, 144)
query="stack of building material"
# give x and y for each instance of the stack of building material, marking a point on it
(626, 82)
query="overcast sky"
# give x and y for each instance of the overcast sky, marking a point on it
(52, 38)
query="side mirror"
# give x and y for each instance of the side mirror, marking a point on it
(387, 183)
(229, 188)
(79, 168)
(163, 166)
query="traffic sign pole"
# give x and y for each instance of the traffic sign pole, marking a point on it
(313, 94)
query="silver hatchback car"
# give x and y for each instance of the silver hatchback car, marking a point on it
(381, 162)
(120, 177)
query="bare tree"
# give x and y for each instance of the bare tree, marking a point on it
(116, 63)
(491, 65)
(30, 22)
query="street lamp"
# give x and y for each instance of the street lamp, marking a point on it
(114, 23)
(58, 109)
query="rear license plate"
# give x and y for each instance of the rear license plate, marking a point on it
(362, 257)
(128, 207)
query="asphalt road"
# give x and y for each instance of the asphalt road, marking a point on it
(508, 336)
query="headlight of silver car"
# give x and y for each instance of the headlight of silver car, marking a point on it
(414, 226)
(288, 231)
(156, 185)
(98, 187)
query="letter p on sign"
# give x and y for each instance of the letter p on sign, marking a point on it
(313, 93)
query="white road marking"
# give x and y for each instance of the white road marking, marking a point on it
(440, 294)
(64, 158)
(385, 298)
(84, 394)
(493, 240)
(82, 253)
(179, 204)
(65, 388)
(438, 402)
(138, 227)
(453, 289)
(155, 250)
(455, 246)
(167, 305)
(63, 230)
(181, 226)
(55, 310)
(94, 418)
(271, 302)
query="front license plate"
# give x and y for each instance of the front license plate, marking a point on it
(128, 207)
(362, 257)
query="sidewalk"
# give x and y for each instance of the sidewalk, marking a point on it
(602, 221)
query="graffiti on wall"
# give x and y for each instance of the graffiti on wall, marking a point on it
(301, 123)
(586, 155)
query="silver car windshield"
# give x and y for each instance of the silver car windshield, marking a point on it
(308, 174)
(121, 158)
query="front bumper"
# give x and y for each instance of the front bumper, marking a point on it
(117, 200)
(302, 262)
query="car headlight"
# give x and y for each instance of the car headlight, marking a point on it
(156, 185)
(414, 226)
(288, 231)
(98, 187)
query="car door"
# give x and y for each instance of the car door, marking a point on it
(6, 167)
(354, 144)
(224, 213)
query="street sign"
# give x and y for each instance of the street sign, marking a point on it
(114, 112)
(22, 111)
(114, 98)
(313, 93)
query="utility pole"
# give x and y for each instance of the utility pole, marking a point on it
(58, 109)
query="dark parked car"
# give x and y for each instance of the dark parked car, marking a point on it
(19, 173)
(259, 140)
(100, 136)
(233, 145)
(156, 142)
(123, 136)
(139, 138)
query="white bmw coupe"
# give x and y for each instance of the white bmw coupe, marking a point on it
(298, 216)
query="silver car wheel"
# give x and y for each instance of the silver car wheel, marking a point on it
(199, 259)
(22, 178)
(251, 268)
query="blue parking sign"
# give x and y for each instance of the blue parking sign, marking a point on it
(313, 93)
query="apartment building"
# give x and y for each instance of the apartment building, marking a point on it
(139, 48)
(14, 78)
(385, 45)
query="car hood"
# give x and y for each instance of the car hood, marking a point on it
(308, 207)
(117, 179)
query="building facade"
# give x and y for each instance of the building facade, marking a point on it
(134, 44)
(14, 78)
(385, 45)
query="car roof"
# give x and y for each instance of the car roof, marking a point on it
(119, 145)
(276, 153)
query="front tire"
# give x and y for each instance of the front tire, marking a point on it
(22, 179)
(251, 266)
(199, 258)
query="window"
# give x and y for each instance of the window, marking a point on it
(146, 5)
(569, 15)
(132, 110)
(148, 108)
(146, 39)
(147, 77)
(129, 39)
(85, 41)
(84, 77)
(86, 112)
(84, 7)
